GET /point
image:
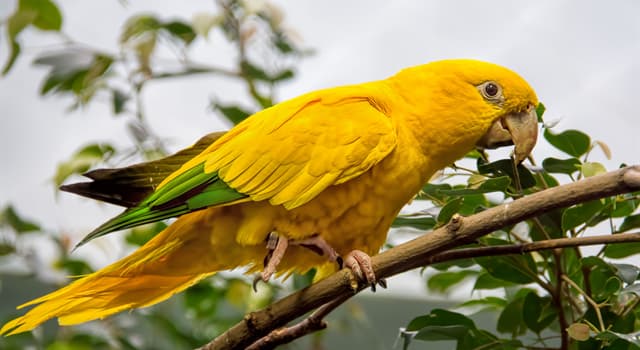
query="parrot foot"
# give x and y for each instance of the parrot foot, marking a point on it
(360, 263)
(277, 246)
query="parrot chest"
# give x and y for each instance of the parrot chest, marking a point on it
(356, 214)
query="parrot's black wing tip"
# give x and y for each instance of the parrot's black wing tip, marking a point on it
(107, 191)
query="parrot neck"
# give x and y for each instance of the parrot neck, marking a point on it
(441, 129)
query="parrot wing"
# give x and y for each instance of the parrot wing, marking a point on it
(286, 154)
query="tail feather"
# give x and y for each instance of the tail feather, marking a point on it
(98, 297)
(162, 267)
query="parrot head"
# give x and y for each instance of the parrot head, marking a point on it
(510, 103)
(478, 103)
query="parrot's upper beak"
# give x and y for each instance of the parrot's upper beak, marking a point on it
(517, 128)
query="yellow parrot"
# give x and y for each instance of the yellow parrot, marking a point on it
(315, 181)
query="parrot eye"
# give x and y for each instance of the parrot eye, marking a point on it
(491, 91)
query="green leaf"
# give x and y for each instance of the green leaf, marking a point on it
(497, 184)
(434, 333)
(80, 341)
(489, 301)
(621, 206)
(42, 14)
(504, 167)
(140, 235)
(74, 267)
(13, 55)
(532, 308)
(18, 21)
(514, 268)
(629, 223)
(545, 180)
(462, 263)
(119, 99)
(590, 169)
(10, 218)
(76, 72)
(573, 142)
(442, 281)
(434, 192)
(140, 33)
(180, 30)
(48, 15)
(580, 214)
(474, 154)
(473, 203)
(511, 319)
(440, 317)
(6, 248)
(487, 281)
(561, 166)
(283, 45)
(612, 286)
(422, 223)
(137, 26)
(540, 109)
(633, 338)
(234, 114)
(255, 72)
(619, 251)
(603, 278)
(449, 209)
(82, 160)
(203, 299)
(258, 73)
(302, 281)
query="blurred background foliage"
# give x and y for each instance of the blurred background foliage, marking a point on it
(531, 297)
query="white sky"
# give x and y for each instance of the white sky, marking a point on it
(582, 57)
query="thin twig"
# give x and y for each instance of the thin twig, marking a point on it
(466, 253)
(313, 323)
(595, 305)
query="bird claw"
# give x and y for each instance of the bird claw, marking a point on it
(256, 279)
(360, 263)
(277, 246)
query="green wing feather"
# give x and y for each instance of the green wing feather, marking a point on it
(190, 191)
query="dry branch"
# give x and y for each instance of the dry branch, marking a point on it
(419, 251)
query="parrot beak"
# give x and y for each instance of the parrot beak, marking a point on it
(516, 128)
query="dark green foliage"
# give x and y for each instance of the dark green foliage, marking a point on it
(9, 218)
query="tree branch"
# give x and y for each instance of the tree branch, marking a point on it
(522, 248)
(417, 252)
(311, 324)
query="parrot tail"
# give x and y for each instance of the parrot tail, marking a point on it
(175, 259)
